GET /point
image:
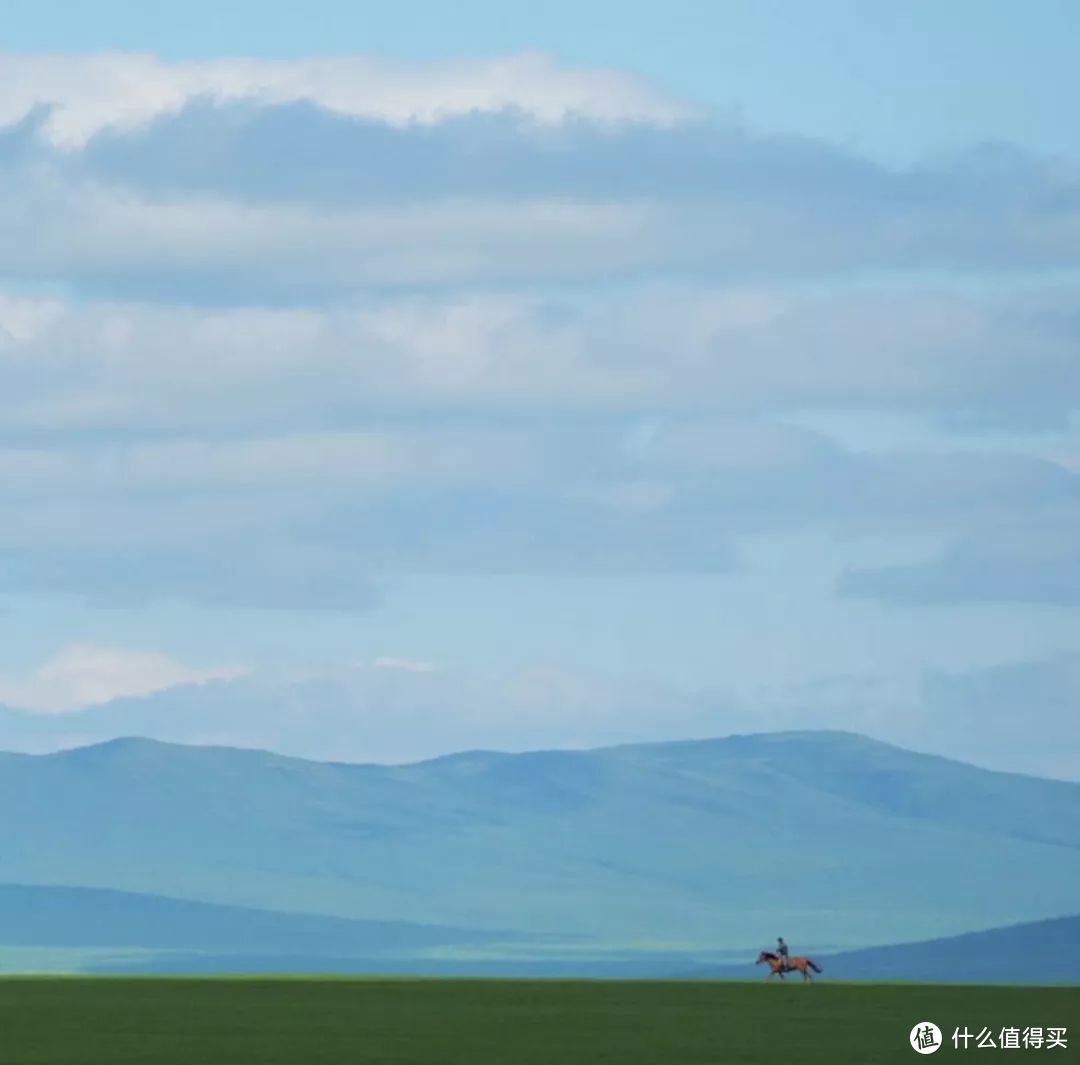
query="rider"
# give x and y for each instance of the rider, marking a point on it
(782, 953)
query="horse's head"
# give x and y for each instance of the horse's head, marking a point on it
(765, 955)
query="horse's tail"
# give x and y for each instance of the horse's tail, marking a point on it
(815, 967)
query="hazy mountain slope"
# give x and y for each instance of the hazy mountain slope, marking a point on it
(33, 915)
(819, 836)
(1040, 951)
(1035, 952)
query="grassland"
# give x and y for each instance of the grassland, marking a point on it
(108, 1021)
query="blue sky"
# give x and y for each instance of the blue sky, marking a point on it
(540, 359)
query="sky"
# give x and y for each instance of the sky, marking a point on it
(540, 377)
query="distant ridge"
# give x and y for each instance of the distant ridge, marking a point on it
(689, 846)
(757, 742)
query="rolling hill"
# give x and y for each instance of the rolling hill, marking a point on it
(829, 838)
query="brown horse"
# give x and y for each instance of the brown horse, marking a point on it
(794, 965)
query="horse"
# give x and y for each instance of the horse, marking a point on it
(776, 965)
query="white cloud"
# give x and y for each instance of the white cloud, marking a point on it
(91, 93)
(83, 674)
(410, 665)
(706, 349)
(22, 318)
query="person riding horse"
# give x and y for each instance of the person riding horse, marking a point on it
(782, 954)
(780, 963)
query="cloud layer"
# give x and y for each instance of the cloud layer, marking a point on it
(700, 350)
(306, 181)
(270, 331)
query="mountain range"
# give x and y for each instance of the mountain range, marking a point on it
(635, 854)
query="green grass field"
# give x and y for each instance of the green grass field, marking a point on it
(107, 1021)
